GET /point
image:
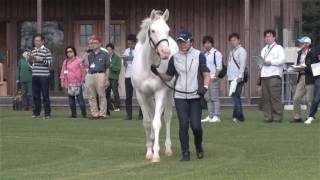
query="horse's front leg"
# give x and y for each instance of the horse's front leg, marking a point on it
(159, 102)
(148, 112)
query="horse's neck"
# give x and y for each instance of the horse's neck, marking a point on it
(149, 55)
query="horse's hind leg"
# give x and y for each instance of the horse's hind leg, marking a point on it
(167, 119)
(147, 111)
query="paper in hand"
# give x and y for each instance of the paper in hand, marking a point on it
(315, 69)
(233, 87)
(260, 60)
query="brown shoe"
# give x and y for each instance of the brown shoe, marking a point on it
(93, 117)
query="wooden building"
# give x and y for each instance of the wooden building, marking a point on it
(71, 22)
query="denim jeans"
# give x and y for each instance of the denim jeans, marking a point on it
(81, 102)
(189, 112)
(316, 99)
(237, 106)
(26, 88)
(40, 86)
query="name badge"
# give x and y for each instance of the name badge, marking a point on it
(65, 71)
(92, 65)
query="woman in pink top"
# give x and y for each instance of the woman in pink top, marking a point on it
(72, 78)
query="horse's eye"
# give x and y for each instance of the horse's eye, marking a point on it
(152, 31)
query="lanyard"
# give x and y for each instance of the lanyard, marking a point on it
(269, 51)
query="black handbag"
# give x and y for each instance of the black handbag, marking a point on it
(245, 73)
(223, 71)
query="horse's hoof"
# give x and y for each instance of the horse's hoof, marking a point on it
(149, 157)
(155, 159)
(168, 153)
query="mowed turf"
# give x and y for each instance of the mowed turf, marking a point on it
(113, 149)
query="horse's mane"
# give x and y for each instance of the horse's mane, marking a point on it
(146, 23)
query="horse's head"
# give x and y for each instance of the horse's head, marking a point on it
(158, 33)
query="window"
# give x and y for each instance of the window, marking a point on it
(54, 40)
(115, 34)
(86, 30)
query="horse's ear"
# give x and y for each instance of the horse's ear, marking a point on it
(166, 15)
(153, 14)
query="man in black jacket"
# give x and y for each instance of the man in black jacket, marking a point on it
(305, 83)
(316, 99)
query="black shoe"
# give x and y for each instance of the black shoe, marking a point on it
(296, 121)
(185, 157)
(128, 118)
(200, 153)
(73, 116)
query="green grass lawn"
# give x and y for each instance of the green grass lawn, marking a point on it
(113, 149)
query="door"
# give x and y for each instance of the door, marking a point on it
(84, 29)
(4, 54)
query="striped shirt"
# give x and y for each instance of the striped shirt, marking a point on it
(41, 68)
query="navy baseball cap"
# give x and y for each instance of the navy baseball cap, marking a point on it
(185, 36)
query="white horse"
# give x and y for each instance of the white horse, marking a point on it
(153, 47)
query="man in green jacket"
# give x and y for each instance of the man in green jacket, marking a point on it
(115, 69)
(24, 78)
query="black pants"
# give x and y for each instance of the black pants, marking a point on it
(189, 112)
(40, 86)
(114, 86)
(81, 102)
(129, 94)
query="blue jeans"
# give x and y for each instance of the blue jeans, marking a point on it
(26, 88)
(189, 112)
(81, 102)
(40, 86)
(237, 106)
(316, 99)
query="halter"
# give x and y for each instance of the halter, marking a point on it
(155, 45)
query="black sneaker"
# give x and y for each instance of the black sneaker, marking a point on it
(185, 157)
(73, 116)
(200, 153)
(128, 118)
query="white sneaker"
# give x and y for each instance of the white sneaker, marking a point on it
(309, 120)
(207, 119)
(235, 120)
(215, 119)
(116, 110)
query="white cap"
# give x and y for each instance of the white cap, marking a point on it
(304, 40)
